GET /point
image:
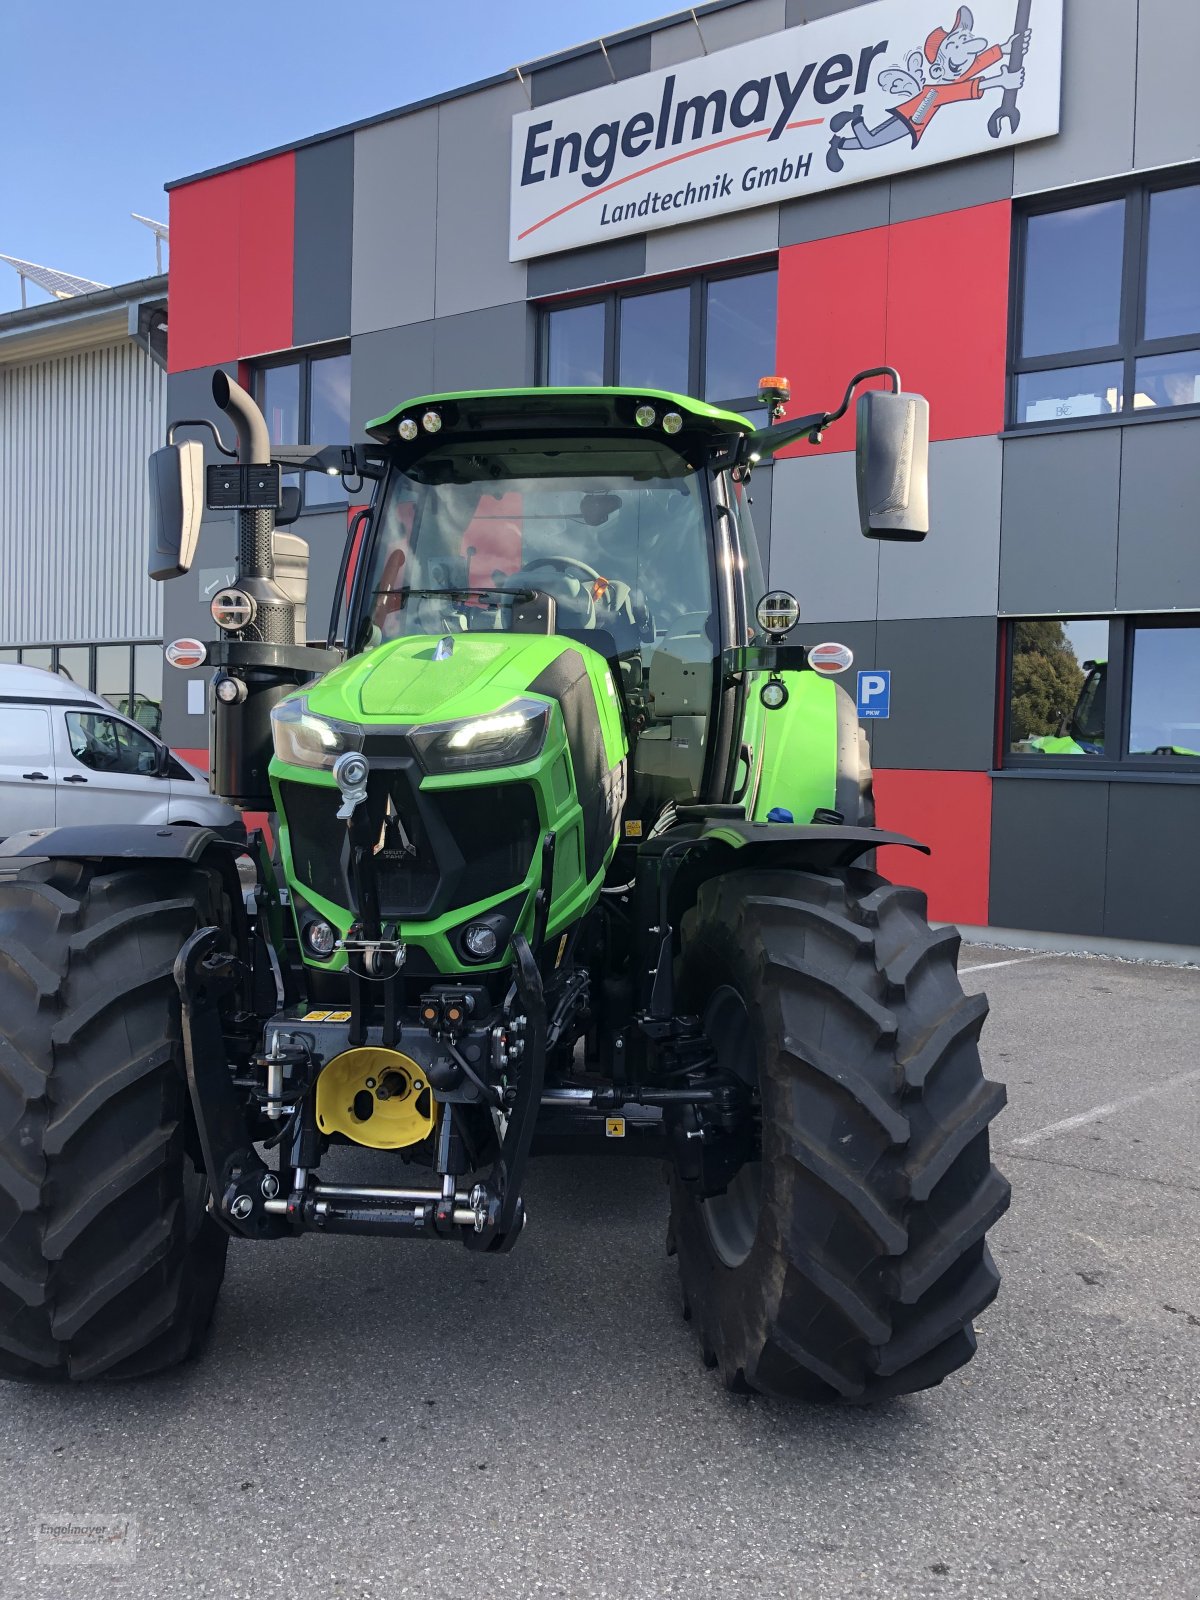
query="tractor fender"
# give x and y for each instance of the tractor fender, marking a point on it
(732, 844)
(134, 841)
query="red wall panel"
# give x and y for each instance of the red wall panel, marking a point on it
(204, 273)
(928, 297)
(952, 813)
(831, 323)
(947, 315)
(232, 253)
(266, 252)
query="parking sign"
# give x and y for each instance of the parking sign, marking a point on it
(875, 693)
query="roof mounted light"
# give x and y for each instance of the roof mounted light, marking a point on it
(431, 421)
(672, 422)
(645, 416)
(407, 429)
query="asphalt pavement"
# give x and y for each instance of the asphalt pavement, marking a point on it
(375, 1420)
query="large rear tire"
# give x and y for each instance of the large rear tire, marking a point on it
(109, 1263)
(852, 1261)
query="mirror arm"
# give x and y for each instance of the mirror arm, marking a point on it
(337, 460)
(769, 441)
(201, 422)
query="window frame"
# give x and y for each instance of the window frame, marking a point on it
(303, 359)
(611, 298)
(1132, 345)
(1118, 695)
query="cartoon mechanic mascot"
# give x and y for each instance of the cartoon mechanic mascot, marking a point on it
(956, 60)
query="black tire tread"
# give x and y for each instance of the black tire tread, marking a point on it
(871, 1263)
(105, 1271)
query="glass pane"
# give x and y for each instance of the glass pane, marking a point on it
(9, 657)
(147, 686)
(1172, 284)
(575, 346)
(739, 335)
(329, 423)
(1164, 711)
(112, 674)
(106, 745)
(655, 335)
(74, 662)
(1069, 392)
(1058, 687)
(38, 656)
(1172, 380)
(279, 397)
(1073, 263)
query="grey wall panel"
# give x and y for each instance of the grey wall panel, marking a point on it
(1158, 549)
(761, 494)
(490, 349)
(955, 571)
(1168, 107)
(395, 222)
(975, 182)
(827, 216)
(943, 694)
(387, 368)
(616, 262)
(625, 59)
(736, 24)
(1058, 524)
(1100, 47)
(324, 241)
(75, 432)
(700, 244)
(817, 550)
(474, 137)
(1152, 880)
(814, 10)
(670, 46)
(1048, 845)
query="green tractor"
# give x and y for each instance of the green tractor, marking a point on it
(573, 851)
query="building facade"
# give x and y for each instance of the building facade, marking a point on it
(1044, 642)
(83, 395)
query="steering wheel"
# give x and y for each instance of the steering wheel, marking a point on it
(615, 600)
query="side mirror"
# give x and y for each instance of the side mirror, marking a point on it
(176, 507)
(893, 465)
(289, 507)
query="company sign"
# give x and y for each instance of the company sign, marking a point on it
(884, 88)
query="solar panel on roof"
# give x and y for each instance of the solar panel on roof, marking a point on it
(62, 285)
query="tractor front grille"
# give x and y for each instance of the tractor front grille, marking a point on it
(435, 851)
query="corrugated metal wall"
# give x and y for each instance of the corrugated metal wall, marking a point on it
(75, 432)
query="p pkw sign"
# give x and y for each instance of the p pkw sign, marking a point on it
(883, 88)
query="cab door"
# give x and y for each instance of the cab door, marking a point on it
(27, 786)
(109, 770)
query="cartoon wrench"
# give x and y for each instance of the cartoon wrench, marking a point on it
(1008, 110)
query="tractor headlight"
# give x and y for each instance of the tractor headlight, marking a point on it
(303, 739)
(504, 738)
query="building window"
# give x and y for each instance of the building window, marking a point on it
(306, 400)
(1104, 692)
(1107, 306)
(128, 676)
(712, 337)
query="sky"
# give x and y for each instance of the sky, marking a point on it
(104, 103)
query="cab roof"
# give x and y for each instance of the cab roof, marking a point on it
(489, 414)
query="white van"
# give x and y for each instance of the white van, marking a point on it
(67, 758)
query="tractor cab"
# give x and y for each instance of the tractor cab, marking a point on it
(608, 518)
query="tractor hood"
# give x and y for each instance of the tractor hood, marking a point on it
(423, 678)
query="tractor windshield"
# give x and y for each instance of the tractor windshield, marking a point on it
(619, 538)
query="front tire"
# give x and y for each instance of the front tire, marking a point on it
(109, 1263)
(853, 1264)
